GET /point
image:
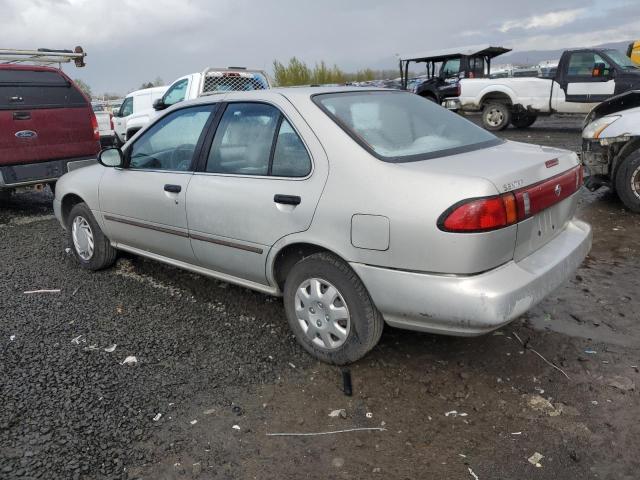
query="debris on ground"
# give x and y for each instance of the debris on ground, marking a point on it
(590, 351)
(338, 462)
(111, 348)
(369, 415)
(455, 413)
(77, 339)
(193, 422)
(53, 290)
(527, 347)
(157, 417)
(12, 338)
(342, 413)
(236, 427)
(472, 473)
(622, 383)
(346, 382)
(313, 434)
(130, 360)
(541, 404)
(535, 459)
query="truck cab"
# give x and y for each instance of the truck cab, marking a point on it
(135, 112)
(451, 65)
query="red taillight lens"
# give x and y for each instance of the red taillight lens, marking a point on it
(111, 121)
(480, 215)
(94, 124)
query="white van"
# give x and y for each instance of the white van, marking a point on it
(134, 112)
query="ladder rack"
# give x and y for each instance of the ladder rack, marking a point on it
(43, 56)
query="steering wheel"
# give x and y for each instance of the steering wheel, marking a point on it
(181, 156)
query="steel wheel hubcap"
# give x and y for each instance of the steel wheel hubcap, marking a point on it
(322, 313)
(635, 182)
(494, 117)
(82, 237)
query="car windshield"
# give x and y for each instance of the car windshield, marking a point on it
(621, 59)
(401, 126)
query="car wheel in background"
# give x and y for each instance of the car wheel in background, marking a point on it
(496, 116)
(89, 245)
(330, 311)
(628, 181)
(5, 196)
(523, 120)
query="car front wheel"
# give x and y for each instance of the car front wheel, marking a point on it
(89, 245)
(330, 311)
(628, 181)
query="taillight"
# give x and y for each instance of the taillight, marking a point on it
(94, 124)
(490, 213)
(111, 121)
(458, 89)
(480, 214)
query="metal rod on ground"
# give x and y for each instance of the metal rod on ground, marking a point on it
(544, 359)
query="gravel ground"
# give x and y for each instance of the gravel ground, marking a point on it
(217, 370)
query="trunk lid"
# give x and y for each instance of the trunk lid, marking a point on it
(43, 116)
(543, 181)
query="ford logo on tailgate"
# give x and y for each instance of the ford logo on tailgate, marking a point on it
(28, 134)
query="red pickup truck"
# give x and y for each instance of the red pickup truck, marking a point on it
(47, 127)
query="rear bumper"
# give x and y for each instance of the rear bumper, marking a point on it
(42, 172)
(477, 304)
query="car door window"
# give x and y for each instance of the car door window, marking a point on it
(176, 93)
(450, 68)
(582, 64)
(290, 157)
(127, 107)
(170, 143)
(243, 140)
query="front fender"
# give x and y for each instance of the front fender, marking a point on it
(84, 183)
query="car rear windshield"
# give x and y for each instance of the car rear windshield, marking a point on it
(401, 126)
(31, 89)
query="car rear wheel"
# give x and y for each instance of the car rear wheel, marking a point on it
(628, 181)
(496, 116)
(89, 245)
(330, 311)
(524, 120)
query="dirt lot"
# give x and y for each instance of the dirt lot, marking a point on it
(217, 370)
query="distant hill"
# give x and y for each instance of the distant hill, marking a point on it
(533, 57)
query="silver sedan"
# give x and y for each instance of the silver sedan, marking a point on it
(359, 207)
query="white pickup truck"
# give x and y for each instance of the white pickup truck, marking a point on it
(583, 79)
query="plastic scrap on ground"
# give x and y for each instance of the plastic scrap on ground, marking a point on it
(535, 459)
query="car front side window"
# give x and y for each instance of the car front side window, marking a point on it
(170, 144)
(127, 107)
(176, 93)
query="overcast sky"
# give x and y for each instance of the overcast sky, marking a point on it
(132, 41)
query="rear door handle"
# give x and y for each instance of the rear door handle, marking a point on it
(287, 199)
(22, 115)
(172, 188)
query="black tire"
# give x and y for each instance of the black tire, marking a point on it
(629, 172)
(5, 196)
(104, 255)
(366, 322)
(523, 120)
(496, 116)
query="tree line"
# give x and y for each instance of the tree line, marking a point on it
(297, 72)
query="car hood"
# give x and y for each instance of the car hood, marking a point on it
(624, 101)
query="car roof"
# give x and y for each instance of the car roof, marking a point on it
(148, 90)
(292, 93)
(439, 55)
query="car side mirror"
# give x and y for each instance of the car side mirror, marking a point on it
(159, 104)
(598, 70)
(111, 157)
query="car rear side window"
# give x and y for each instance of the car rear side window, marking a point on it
(256, 139)
(32, 89)
(401, 126)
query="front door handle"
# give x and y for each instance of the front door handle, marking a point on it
(172, 188)
(22, 115)
(287, 199)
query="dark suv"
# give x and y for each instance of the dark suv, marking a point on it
(46, 125)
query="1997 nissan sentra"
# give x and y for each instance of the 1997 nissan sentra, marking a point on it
(359, 207)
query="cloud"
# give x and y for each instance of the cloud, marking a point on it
(546, 20)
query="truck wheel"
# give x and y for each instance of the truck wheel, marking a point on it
(330, 311)
(496, 116)
(89, 245)
(628, 182)
(523, 120)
